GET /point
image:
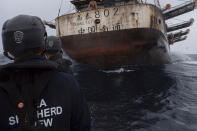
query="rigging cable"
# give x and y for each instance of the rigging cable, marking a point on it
(60, 8)
(58, 17)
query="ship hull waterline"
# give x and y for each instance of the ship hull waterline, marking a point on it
(118, 48)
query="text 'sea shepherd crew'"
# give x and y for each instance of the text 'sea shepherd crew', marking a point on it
(45, 114)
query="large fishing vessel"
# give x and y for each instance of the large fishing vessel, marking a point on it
(121, 32)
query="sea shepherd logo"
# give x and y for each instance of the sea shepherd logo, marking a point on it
(46, 115)
(18, 37)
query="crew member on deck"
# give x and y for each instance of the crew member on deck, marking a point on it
(92, 5)
(54, 53)
(34, 95)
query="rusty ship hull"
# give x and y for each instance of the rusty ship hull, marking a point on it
(132, 46)
(139, 38)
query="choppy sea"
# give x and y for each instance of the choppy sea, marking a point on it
(141, 98)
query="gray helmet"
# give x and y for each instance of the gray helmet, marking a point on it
(53, 45)
(22, 33)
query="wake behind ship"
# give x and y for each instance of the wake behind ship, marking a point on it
(121, 33)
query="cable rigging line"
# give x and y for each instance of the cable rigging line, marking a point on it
(60, 8)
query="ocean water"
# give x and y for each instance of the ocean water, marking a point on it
(141, 98)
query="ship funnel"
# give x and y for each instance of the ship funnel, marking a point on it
(180, 25)
(180, 9)
(51, 25)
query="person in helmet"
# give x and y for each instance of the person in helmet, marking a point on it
(54, 53)
(33, 94)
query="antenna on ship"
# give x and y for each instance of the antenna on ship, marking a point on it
(157, 3)
(52, 25)
(58, 18)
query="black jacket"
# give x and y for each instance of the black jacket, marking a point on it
(52, 100)
(64, 65)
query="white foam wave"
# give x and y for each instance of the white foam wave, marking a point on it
(120, 70)
(190, 62)
(178, 57)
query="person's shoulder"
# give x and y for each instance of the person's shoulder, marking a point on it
(64, 77)
(4, 69)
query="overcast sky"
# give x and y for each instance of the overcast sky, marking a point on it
(48, 10)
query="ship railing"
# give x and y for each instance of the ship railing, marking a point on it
(181, 25)
(153, 2)
(83, 4)
(180, 5)
(179, 9)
